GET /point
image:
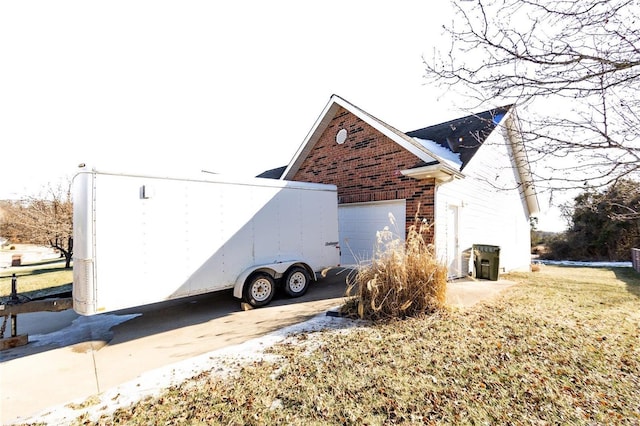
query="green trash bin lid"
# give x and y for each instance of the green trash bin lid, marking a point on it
(486, 248)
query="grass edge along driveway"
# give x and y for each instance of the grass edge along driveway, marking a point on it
(559, 348)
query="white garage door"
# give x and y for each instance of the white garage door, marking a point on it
(359, 223)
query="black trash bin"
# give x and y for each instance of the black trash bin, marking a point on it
(487, 261)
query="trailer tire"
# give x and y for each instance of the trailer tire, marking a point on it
(259, 289)
(296, 282)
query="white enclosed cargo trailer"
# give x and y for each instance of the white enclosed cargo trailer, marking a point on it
(145, 239)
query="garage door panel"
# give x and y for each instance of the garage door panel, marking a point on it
(359, 224)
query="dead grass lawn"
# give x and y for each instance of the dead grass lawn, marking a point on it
(560, 348)
(37, 279)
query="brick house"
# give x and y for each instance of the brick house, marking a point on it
(468, 177)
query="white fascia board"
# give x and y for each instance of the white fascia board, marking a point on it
(440, 172)
(320, 124)
(409, 145)
(512, 130)
(325, 118)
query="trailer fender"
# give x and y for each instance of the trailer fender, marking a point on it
(276, 270)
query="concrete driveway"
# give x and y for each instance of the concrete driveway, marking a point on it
(71, 357)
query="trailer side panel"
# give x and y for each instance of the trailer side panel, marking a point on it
(147, 239)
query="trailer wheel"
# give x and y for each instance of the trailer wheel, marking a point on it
(296, 282)
(259, 290)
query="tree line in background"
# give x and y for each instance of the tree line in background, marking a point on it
(45, 220)
(603, 225)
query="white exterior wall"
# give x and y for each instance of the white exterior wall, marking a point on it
(491, 209)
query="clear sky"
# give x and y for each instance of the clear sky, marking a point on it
(177, 87)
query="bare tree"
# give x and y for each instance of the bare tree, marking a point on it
(46, 220)
(573, 69)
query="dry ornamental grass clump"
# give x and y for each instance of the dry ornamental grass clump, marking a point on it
(404, 278)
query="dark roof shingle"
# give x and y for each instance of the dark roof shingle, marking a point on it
(463, 135)
(273, 173)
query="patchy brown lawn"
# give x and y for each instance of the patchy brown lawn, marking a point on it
(560, 348)
(37, 279)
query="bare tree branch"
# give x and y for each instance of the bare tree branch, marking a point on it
(46, 219)
(573, 69)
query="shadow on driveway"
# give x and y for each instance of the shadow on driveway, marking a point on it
(226, 321)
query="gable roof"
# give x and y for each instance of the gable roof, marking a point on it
(444, 149)
(463, 135)
(428, 157)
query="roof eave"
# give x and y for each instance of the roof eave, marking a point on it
(439, 172)
(529, 193)
(310, 140)
(324, 120)
(531, 198)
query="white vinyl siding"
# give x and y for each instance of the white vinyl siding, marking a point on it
(490, 207)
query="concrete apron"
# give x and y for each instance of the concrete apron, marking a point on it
(33, 378)
(467, 292)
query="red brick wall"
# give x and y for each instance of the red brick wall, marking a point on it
(366, 167)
